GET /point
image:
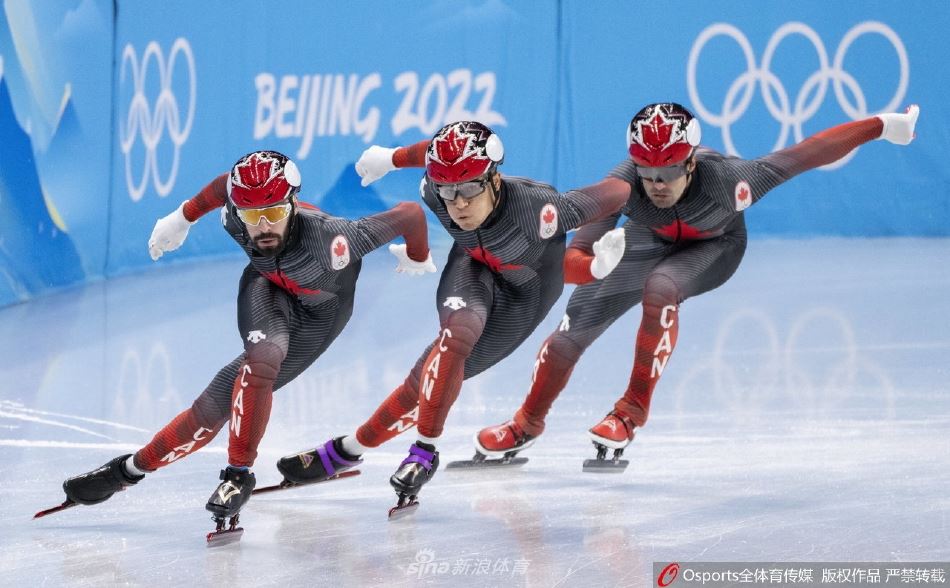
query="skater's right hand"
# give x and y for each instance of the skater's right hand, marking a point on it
(607, 253)
(899, 126)
(410, 266)
(375, 163)
(169, 233)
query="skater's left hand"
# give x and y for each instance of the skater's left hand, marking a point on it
(607, 253)
(374, 163)
(410, 266)
(899, 127)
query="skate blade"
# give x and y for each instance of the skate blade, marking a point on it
(398, 512)
(225, 537)
(286, 484)
(500, 462)
(66, 504)
(605, 466)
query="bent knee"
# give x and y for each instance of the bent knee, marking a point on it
(567, 346)
(660, 290)
(460, 331)
(262, 363)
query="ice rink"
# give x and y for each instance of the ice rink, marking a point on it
(804, 416)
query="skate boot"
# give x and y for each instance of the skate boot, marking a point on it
(498, 446)
(614, 432)
(318, 465)
(413, 473)
(226, 502)
(100, 484)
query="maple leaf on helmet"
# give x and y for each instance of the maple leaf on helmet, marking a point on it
(662, 134)
(263, 178)
(463, 151)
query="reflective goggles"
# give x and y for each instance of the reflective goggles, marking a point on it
(466, 190)
(666, 174)
(273, 214)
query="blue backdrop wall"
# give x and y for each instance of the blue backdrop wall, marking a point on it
(113, 112)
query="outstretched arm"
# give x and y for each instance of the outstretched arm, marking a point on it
(211, 197)
(170, 231)
(376, 161)
(832, 144)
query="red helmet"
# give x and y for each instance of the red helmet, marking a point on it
(662, 134)
(263, 178)
(462, 151)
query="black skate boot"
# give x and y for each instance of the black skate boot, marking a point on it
(413, 473)
(232, 493)
(226, 502)
(100, 484)
(320, 464)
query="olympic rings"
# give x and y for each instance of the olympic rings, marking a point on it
(791, 116)
(151, 122)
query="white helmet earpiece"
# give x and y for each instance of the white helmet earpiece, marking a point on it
(693, 132)
(292, 174)
(494, 148)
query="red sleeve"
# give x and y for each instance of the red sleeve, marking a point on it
(411, 222)
(827, 146)
(580, 252)
(209, 198)
(411, 156)
(577, 266)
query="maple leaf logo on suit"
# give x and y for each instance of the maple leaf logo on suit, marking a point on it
(340, 252)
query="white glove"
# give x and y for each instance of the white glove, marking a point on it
(169, 233)
(899, 127)
(410, 266)
(607, 253)
(375, 163)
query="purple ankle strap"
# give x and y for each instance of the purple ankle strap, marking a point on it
(420, 456)
(329, 456)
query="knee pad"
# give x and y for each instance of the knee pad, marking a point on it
(659, 291)
(460, 332)
(564, 348)
(209, 413)
(261, 365)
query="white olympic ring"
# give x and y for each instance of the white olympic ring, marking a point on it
(152, 123)
(740, 92)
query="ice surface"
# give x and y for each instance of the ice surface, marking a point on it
(804, 416)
